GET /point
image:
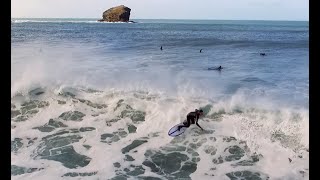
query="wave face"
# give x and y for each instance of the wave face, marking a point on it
(96, 100)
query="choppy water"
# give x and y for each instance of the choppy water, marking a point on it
(96, 100)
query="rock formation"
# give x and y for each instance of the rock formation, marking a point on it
(116, 14)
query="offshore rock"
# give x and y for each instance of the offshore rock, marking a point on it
(116, 14)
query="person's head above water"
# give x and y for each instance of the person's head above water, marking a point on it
(200, 112)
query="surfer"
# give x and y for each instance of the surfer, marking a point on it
(200, 50)
(215, 68)
(161, 48)
(192, 118)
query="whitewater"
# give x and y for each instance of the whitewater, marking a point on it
(96, 100)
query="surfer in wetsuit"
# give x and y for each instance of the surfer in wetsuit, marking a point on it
(192, 118)
(215, 68)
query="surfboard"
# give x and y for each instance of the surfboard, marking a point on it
(214, 68)
(174, 130)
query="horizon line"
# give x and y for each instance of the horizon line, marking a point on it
(159, 19)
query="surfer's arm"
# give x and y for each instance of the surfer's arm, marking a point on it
(199, 125)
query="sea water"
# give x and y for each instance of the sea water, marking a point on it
(96, 100)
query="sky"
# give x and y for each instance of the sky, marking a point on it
(166, 9)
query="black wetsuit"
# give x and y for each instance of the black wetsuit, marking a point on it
(192, 118)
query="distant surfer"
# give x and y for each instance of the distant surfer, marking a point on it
(200, 50)
(262, 54)
(216, 68)
(192, 118)
(161, 48)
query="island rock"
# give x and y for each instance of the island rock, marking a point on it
(116, 14)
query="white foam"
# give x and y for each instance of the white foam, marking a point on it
(165, 96)
(162, 112)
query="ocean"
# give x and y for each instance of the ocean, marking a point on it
(92, 100)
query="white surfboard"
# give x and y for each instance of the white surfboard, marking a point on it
(174, 130)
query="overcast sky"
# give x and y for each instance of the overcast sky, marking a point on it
(166, 9)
